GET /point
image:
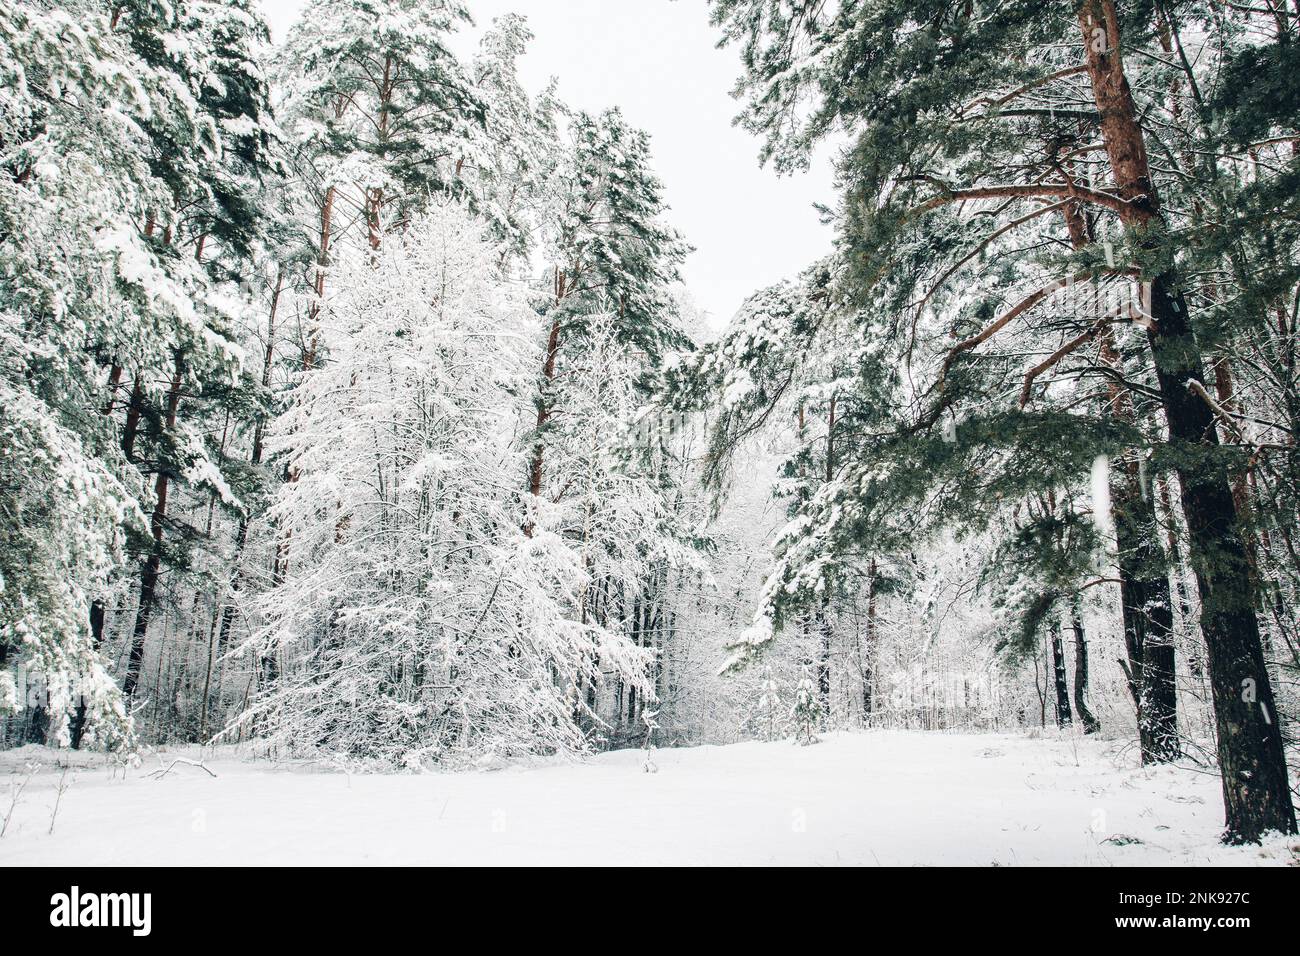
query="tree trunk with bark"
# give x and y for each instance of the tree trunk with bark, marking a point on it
(1063, 716)
(77, 727)
(1090, 723)
(535, 465)
(1144, 585)
(823, 614)
(869, 650)
(152, 566)
(131, 426)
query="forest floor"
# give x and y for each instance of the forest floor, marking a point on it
(882, 797)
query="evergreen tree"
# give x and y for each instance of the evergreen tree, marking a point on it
(513, 157)
(807, 711)
(108, 144)
(614, 257)
(378, 106)
(770, 709)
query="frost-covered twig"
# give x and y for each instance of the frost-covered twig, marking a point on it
(58, 798)
(15, 792)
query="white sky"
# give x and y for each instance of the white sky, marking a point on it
(657, 61)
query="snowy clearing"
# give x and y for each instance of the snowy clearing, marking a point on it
(878, 798)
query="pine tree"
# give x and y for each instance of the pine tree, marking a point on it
(511, 161)
(99, 176)
(807, 710)
(214, 164)
(378, 106)
(614, 257)
(770, 709)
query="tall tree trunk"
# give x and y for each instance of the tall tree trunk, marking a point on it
(318, 280)
(1148, 616)
(1195, 659)
(636, 621)
(152, 566)
(1040, 687)
(1256, 792)
(1090, 723)
(131, 427)
(823, 614)
(77, 728)
(869, 651)
(375, 194)
(1063, 716)
(1144, 585)
(114, 383)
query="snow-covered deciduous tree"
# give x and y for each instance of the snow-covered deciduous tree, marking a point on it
(416, 621)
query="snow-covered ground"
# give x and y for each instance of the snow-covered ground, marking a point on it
(882, 797)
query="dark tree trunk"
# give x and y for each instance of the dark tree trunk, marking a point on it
(1090, 723)
(1063, 716)
(1158, 703)
(824, 619)
(824, 662)
(78, 726)
(134, 407)
(1144, 585)
(1256, 792)
(144, 611)
(1148, 618)
(114, 383)
(1040, 687)
(152, 566)
(869, 651)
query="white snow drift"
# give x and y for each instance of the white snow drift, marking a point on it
(881, 798)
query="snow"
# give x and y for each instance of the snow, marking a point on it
(873, 798)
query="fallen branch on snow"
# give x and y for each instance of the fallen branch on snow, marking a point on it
(163, 771)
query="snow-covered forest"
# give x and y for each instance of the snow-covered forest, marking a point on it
(355, 415)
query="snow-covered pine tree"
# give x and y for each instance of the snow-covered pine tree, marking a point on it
(806, 713)
(378, 110)
(511, 160)
(613, 256)
(68, 162)
(611, 319)
(212, 152)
